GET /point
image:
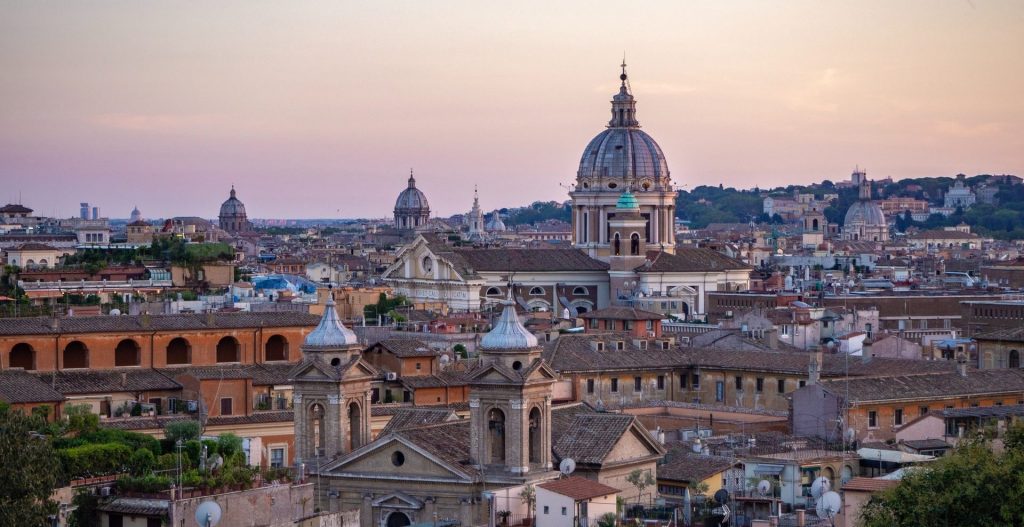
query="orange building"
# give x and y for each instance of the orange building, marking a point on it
(630, 320)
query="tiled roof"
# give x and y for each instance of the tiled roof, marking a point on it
(19, 386)
(445, 378)
(986, 411)
(928, 386)
(579, 488)
(681, 464)
(136, 323)
(926, 444)
(265, 374)
(1014, 334)
(415, 417)
(136, 507)
(529, 260)
(15, 208)
(869, 484)
(448, 441)
(622, 313)
(34, 247)
(689, 260)
(407, 348)
(157, 423)
(574, 353)
(71, 382)
(943, 235)
(591, 436)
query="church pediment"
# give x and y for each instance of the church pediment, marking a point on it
(394, 457)
(543, 372)
(398, 500)
(492, 373)
(311, 370)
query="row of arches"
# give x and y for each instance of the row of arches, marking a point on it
(128, 352)
(496, 444)
(538, 291)
(317, 431)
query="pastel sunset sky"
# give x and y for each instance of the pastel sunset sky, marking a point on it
(319, 109)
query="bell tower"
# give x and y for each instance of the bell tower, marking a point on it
(331, 392)
(510, 402)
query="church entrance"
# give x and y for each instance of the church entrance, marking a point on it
(397, 519)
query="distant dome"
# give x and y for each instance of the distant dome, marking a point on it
(232, 207)
(411, 199)
(136, 215)
(508, 333)
(495, 224)
(330, 333)
(864, 213)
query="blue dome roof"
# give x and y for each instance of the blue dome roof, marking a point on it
(864, 213)
(412, 199)
(627, 153)
(508, 333)
(330, 333)
(627, 201)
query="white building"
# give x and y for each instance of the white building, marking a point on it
(959, 195)
(574, 502)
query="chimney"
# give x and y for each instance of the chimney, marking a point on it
(814, 367)
(55, 322)
(866, 353)
(961, 364)
(801, 518)
(144, 319)
(211, 319)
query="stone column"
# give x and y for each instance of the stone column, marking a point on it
(476, 428)
(517, 438)
(428, 510)
(366, 511)
(333, 426)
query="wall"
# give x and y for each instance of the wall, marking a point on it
(278, 506)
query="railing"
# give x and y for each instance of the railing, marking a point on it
(265, 402)
(687, 327)
(91, 285)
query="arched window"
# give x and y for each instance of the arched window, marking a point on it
(634, 244)
(536, 291)
(814, 224)
(76, 355)
(318, 432)
(228, 350)
(22, 356)
(493, 291)
(355, 426)
(496, 436)
(1014, 359)
(179, 351)
(535, 435)
(126, 353)
(43, 262)
(275, 349)
(616, 245)
(580, 291)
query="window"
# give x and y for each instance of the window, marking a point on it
(536, 291)
(564, 511)
(225, 406)
(760, 385)
(661, 382)
(397, 458)
(418, 366)
(682, 381)
(277, 457)
(546, 509)
(590, 385)
(643, 344)
(719, 391)
(739, 383)
(615, 385)
(872, 419)
(627, 324)
(922, 410)
(696, 381)
(897, 417)
(664, 344)
(637, 384)
(594, 323)
(802, 383)
(620, 345)
(782, 385)
(493, 291)
(580, 291)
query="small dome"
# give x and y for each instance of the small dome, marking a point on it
(866, 213)
(232, 207)
(330, 333)
(508, 333)
(495, 224)
(627, 201)
(411, 199)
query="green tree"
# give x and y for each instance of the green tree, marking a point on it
(29, 471)
(183, 430)
(141, 462)
(529, 497)
(84, 514)
(641, 479)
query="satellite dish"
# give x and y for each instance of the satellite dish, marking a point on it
(851, 435)
(764, 486)
(208, 514)
(820, 486)
(829, 505)
(567, 466)
(722, 496)
(445, 359)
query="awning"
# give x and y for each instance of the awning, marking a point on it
(769, 469)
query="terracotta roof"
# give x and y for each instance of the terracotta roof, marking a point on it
(869, 484)
(1014, 334)
(943, 235)
(578, 488)
(32, 246)
(529, 260)
(415, 417)
(622, 313)
(136, 507)
(447, 441)
(591, 436)
(158, 422)
(406, 348)
(19, 386)
(103, 381)
(1015, 410)
(689, 260)
(681, 464)
(926, 444)
(261, 374)
(928, 386)
(135, 323)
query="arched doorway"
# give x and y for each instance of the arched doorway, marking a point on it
(179, 351)
(276, 348)
(76, 355)
(830, 474)
(397, 519)
(228, 350)
(496, 436)
(1014, 359)
(355, 426)
(22, 356)
(126, 353)
(535, 435)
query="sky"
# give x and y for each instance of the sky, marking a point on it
(320, 109)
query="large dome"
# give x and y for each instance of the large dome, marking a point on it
(232, 207)
(411, 199)
(866, 213)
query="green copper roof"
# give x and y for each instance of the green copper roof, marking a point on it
(627, 201)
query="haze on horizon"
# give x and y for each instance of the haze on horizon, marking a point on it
(320, 109)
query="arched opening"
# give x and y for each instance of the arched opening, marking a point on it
(535, 434)
(814, 225)
(537, 291)
(496, 436)
(634, 244)
(228, 350)
(179, 351)
(43, 262)
(76, 355)
(398, 519)
(580, 291)
(493, 291)
(22, 356)
(276, 349)
(580, 310)
(126, 353)
(829, 473)
(617, 245)
(355, 426)
(317, 431)
(1014, 359)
